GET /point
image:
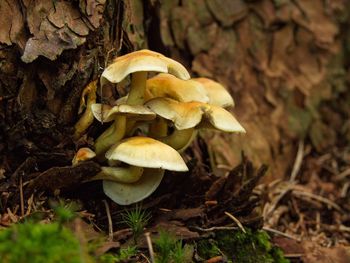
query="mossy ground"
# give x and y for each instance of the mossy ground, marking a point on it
(35, 242)
(249, 247)
(39, 243)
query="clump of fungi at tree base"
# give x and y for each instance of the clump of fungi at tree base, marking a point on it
(168, 108)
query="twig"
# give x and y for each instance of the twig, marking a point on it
(298, 161)
(216, 259)
(23, 169)
(30, 203)
(319, 198)
(12, 216)
(149, 245)
(236, 221)
(344, 190)
(214, 228)
(146, 258)
(277, 232)
(107, 57)
(342, 175)
(340, 228)
(21, 195)
(110, 224)
(276, 201)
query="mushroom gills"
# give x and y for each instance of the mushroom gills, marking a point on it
(126, 194)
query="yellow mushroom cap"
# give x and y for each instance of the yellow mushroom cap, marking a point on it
(217, 93)
(143, 60)
(83, 154)
(184, 115)
(106, 113)
(187, 115)
(147, 152)
(126, 194)
(166, 85)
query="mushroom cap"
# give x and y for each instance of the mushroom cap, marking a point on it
(143, 60)
(106, 113)
(187, 115)
(166, 85)
(217, 93)
(83, 154)
(147, 152)
(126, 194)
(184, 115)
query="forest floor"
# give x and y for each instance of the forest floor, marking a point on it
(306, 215)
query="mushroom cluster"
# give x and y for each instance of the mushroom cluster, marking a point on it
(158, 118)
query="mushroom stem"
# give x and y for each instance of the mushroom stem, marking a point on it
(137, 88)
(111, 136)
(119, 174)
(159, 128)
(87, 118)
(179, 139)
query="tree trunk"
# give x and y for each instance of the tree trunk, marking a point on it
(283, 62)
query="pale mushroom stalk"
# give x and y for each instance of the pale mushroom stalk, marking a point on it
(112, 135)
(87, 118)
(137, 93)
(179, 139)
(127, 175)
(118, 114)
(137, 88)
(159, 128)
(117, 130)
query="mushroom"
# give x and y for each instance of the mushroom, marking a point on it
(188, 115)
(82, 155)
(217, 93)
(119, 174)
(116, 132)
(148, 153)
(126, 194)
(166, 85)
(138, 63)
(87, 118)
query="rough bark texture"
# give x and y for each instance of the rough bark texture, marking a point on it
(281, 60)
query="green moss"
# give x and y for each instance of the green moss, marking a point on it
(39, 243)
(208, 248)
(136, 219)
(123, 255)
(169, 249)
(250, 247)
